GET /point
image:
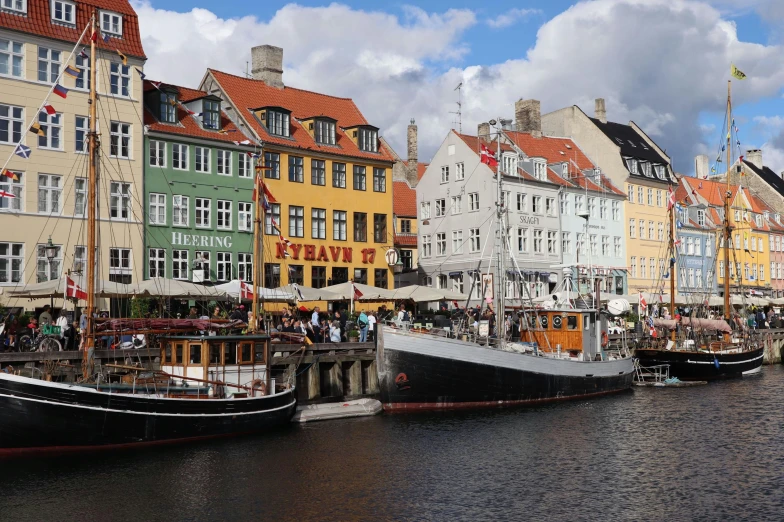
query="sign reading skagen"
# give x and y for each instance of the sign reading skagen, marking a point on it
(529, 220)
(180, 238)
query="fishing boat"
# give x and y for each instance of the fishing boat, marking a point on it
(213, 381)
(561, 352)
(698, 348)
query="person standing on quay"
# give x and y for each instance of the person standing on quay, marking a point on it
(362, 323)
(371, 326)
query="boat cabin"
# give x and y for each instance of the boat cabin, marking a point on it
(230, 359)
(569, 330)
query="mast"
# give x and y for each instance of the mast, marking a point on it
(727, 228)
(672, 268)
(92, 205)
(500, 319)
(256, 249)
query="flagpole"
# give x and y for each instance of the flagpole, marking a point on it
(257, 256)
(92, 205)
(727, 229)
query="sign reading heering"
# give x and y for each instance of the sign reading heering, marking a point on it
(196, 240)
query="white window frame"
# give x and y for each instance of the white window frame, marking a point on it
(245, 266)
(51, 270)
(7, 261)
(180, 210)
(120, 80)
(445, 174)
(523, 240)
(459, 171)
(81, 133)
(111, 23)
(15, 51)
(424, 210)
(224, 162)
(156, 262)
(473, 201)
(245, 166)
(440, 244)
(52, 194)
(49, 63)
(180, 157)
(65, 12)
(121, 263)
(180, 264)
(474, 240)
(203, 212)
(457, 241)
(80, 197)
(157, 153)
(120, 140)
(457, 205)
(617, 246)
(538, 241)
(244, 216)
(52, 125)
(15, 187)
(120, 201)
(427, 248)
(157, 209)
(440, 207)
(223, 267)
(223, 211)
(15, 123)
(201, 162)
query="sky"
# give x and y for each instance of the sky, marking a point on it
(662, 63)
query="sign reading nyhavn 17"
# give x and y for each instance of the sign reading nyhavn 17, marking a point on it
(335, 254)
(196, 240)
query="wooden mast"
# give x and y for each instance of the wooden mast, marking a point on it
(92, 205)
(673, 275)
(727, 227)
(255, 327)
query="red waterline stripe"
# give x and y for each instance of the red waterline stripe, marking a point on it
(396, 407)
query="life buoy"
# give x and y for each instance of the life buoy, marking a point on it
(261, 385)
(605, 339)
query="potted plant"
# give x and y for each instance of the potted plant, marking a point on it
(353, 335)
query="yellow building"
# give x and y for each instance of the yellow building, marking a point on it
(51, 189)
(328, 172)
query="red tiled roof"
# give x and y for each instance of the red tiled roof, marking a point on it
(38, 21)
(187, 124)
(405, 240)
(247, 94)
(403, 199)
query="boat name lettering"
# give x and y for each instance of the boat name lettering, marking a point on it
(195, 240)
(529, 220)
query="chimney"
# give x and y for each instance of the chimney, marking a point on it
(599, 111)
(483, 131)
(701, 166)
(528, 117)
(413, 160)
(754, 156)
(267, 65)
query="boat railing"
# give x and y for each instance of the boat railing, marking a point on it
(657, 373)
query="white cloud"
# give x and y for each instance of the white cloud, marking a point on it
(659, 62)
(510, 17)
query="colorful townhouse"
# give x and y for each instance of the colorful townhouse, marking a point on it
(697, 227)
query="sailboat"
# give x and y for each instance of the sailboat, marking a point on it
(717, 349)
(562, 352)
(208, 385)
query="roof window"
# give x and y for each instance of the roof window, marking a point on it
(111, 23)
(17, 6)
(64, 12)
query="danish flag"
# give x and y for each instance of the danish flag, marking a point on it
(74, 290)
(643, 303)
(487, 156)
(356, 293)
(670, 198)
(246, 291)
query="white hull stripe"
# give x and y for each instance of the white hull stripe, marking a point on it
(723, 363)
(110, 410)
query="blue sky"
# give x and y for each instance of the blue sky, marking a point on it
(520, 50)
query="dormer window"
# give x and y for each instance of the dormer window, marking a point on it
(659, 169)
(368, 140)
(646, 169)
(324, 132)
(277, 122)
(211, 114)
(111, 23)
(64, 11)
(19, 6)
(766, 214)
(631, 163)
(758, 220)
(167, 112)
(540, 170)
(778, 218)
(701, 218)
(510, 164)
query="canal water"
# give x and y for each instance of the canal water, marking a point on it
(713, 452)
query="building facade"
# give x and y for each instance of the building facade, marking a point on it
(39, 39)
(198, 186)
(696, 255)
(328, 171)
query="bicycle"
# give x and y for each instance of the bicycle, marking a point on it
(39, 342)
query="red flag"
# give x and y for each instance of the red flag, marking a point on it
(73, 290)
(49, 109)
(643, 303)
(670, 198)
(270, 197)
(246, 291)
(357, 293)
(94, 36)
(487, 156)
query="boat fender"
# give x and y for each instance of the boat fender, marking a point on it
(261, 385)
(605, 340)
(716, 362)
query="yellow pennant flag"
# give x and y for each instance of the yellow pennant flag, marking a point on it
(737, 73)
(35, 128)
(125, 58)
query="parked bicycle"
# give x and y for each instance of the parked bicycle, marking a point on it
(44, 340)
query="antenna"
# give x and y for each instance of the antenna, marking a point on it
(247, 69)
(459, 111)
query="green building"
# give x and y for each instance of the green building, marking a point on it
(198, 188)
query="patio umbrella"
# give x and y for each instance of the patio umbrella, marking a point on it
(232, 288)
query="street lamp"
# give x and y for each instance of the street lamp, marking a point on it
(51, 253)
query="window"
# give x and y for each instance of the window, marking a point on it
(473, 237)
(633, 266)
(632, 228)
(698, 246)
(166, 107)
(203, 210)
(650, 197)
(564, 201)
(759, 243)
(617, 246)
(445, 174)
(119, 79)
(271, 275)
(538, 241)
(318, 223)
(368, 141)
(639, 195)
(592, 207)
(566, 242)
(111, 23)
(318, 172)
(80, 197)
(180, 264)
(120, 265)
(650, 229)
(180, 208)
(120, 140)
(473, 201)
(11, 262)
(272, 160)
(245, 217)
(459, 171)
(605, 246)
(63, 11)
(424, 210)
(48, 65)
(48, 270)
(245, 267)
(522, 202)
(522, 240)
(632, 165)
(405, 226)
(11, 57)
(157, 152)
(157, 213)
(708, 247)
(11, 120)
(594, 244)
(631, 193)
(82, 81)
(642, 229)
(753, 244)
(540, 170)
(296, 221)
(120, 200)
(660, 235)
(379, 180)
(537, 204)
(179, 156)
(380, 228)
(616, 210)
(360, 226)
(277, 123)
(224, 214)
(223, 269)
(318, 276)
(457, 205)
(457, 241)
(202, 159)
(324, 132)
(339, 175)
(552, 242)
(49, 193)
(211, 114)
(224, 162)
(272, 215)
(296, 170)
(549, 204)
(440, 207)
(156, 262)
(441, 244)
(245, 167)
(359, 177)
(426, 246)
(51, 125)
(579, 204)
(381, 278)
